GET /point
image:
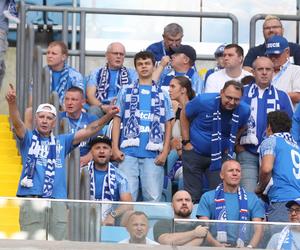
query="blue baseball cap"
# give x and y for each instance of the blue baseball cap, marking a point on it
(275, 45)
(220, 50)
(293, 202)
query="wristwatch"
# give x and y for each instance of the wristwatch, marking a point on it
(113, 214)
(184, 142)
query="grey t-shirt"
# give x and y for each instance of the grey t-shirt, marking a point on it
(166, 226)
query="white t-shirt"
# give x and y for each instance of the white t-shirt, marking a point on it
(289, 80)
(216, 80)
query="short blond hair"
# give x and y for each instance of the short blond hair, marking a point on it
(272, 17)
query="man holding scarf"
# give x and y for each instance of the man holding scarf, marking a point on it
(289, 237)
(279, 174)
(141, 144)
(104, 83)
(230, 201)
(263, 98)
(43, 159)
(210, 124)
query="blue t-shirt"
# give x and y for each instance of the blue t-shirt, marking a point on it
(77, 124)
(264, 106)
(207, 208)
(63, 147)
(75, 79)
(295, 131)
(168, 74)
(200, 113)
(112, 91)
(122, 184)
(158, 49)
(145, 120)
(286, 168)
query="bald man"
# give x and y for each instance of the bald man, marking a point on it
(104, 83)
(186, 233)
(230, 201)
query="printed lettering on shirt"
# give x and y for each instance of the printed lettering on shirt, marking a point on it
(296, 162)
(145, 116)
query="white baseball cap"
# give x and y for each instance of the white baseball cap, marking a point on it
(46, 107)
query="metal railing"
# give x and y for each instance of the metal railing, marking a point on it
(254, 19)
(25, 35)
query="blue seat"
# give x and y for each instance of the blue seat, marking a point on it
(35, 17)
(55, 18)
(113, 234)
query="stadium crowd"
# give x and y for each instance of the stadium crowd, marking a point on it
(232, 141)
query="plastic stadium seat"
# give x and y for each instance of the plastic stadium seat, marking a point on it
(113, 233)
(55, 18)
(35, 17)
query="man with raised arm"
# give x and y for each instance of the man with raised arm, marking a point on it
(43, 158)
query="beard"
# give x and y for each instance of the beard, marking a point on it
(184, 213)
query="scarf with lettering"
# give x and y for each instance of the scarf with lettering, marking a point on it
(103, 80)
(216, 136)
(131, 125)
(221, 214)
(32, 156)
(109, 184)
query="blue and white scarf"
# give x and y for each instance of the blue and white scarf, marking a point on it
(290, 140)
(131, 124)
(63, 81)
(285, 239)
(32, 156)
(221, 214)
(103, 80)
(216, 137)
(167, 79)
(271, 103)
(109, 184)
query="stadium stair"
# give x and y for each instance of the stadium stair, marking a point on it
(10, 168)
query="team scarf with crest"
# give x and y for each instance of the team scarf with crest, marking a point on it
(103, 80)
(131, 125)
(221, 214)
(31, 160)
(216, 136)
(271, 103)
